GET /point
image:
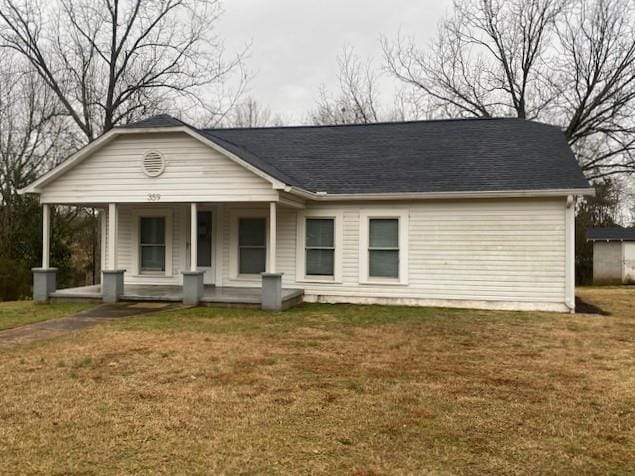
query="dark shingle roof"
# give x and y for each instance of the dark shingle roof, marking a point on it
(162, 120)
(461, 155)
(616, 233)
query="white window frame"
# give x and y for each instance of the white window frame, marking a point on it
(136, 255)
(364, 228)
(303, 215)
(234, 255)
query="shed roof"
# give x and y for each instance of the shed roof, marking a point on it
(615, 233)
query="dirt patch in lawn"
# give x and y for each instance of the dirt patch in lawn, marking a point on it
(329, 389)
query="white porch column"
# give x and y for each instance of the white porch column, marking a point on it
(44, 278)
(271, 259)
(113, 223)
(193, 280)
(193, 237)
(46, 236)
(271, 281)
(112, 283)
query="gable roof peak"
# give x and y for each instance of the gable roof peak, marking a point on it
(160, 120)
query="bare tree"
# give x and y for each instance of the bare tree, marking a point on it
(250, 113)
(32, 137)
(31, 126)
(112, 61)
(570, 62)
(357, 101)
(594, 85)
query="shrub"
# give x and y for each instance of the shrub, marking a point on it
(15, 280)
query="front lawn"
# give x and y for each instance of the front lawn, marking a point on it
(19, 313)
(329, 390)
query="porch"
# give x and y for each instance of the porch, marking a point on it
(212, 295)
(212, 253)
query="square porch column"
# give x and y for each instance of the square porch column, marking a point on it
(193, 285)
(112, 278)
(44, 278)
(271, 280)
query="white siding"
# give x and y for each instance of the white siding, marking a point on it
(128, 242)
(628, 250)
(487, 253)
(607, 262)
(194, 172)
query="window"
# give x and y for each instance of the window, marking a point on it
(383, 248)
(320, 246)
(252, 245)
(152, 244)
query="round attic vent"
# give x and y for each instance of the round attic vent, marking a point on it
(153, 163)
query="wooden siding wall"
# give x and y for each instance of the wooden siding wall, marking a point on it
(628, 250)
(471, 252)
(607, 262)
(511, 250)
(127, 243)
(194, 172)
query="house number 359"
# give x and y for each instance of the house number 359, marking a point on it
(154, 197)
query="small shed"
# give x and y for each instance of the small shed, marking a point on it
(613, 255)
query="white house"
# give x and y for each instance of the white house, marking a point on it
(613, 255)
(466, 213)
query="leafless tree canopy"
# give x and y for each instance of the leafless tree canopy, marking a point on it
(357, 100)
(568, 62)
(31, 130)
(251, 113)
(32, 136)
(111, 61)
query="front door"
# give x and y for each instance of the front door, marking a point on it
(205, 242)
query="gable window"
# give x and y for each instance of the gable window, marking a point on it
(383, 248)
(252, 245)
(320, 246)
(152, 244)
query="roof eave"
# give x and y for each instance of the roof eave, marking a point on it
(323, 196)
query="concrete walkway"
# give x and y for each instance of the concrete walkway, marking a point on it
(82, 320)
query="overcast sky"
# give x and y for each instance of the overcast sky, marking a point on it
(296, 42)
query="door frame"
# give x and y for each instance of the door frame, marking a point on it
(210, 275)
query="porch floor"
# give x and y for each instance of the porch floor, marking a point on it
(173, 293)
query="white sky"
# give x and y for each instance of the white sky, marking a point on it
(295, 42)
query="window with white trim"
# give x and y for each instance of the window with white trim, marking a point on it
(383, 248)
(152, 244)
(252, 245)
(320, 246)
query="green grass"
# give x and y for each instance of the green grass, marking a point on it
(328, 389)
(321, 316)
(19, 313)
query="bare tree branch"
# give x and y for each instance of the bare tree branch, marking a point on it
(111, 61)
(357, 100)
(568, 62)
